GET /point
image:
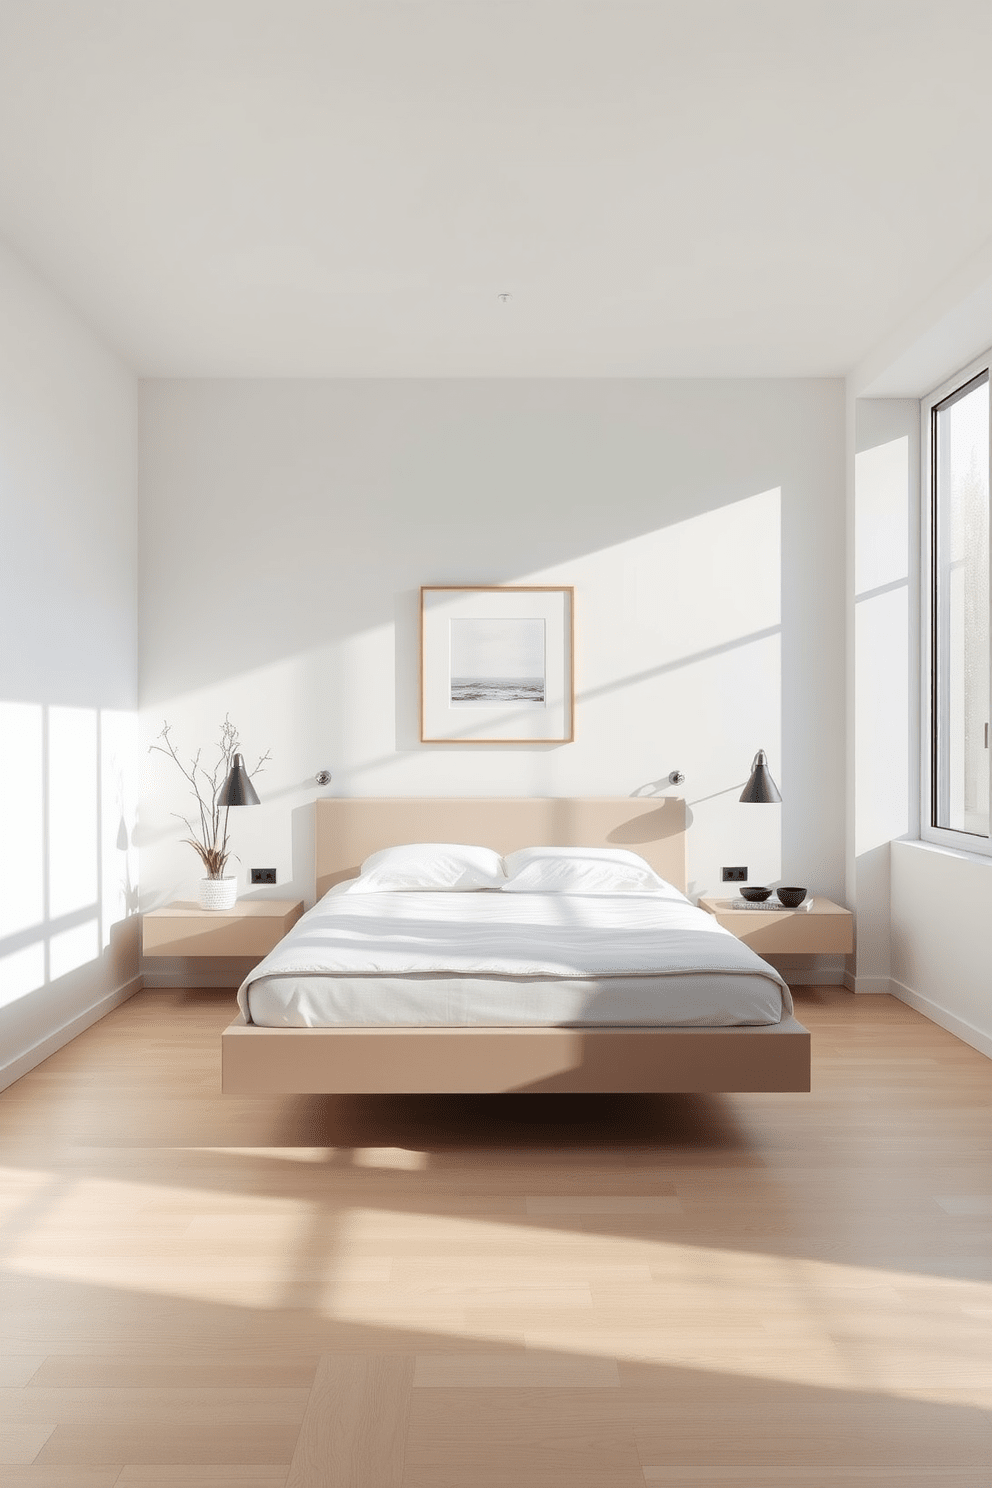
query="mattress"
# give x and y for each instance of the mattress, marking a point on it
(508, 960)
(454, 1000)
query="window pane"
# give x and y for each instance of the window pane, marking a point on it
(961, 609)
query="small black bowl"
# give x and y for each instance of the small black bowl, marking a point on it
(755, 894)
(791, 898)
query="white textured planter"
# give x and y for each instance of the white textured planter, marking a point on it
(217, 893)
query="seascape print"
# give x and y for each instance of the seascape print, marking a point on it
(497, 690)
(497, 661)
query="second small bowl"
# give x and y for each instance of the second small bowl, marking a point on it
(791, 897)
(755, 894)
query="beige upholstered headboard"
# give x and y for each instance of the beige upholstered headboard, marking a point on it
(349, 829)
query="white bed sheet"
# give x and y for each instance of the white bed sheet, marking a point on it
(491, 959)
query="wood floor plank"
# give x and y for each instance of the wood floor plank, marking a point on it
(184, 1408)
(515, 1271)
(62, 1477)
(129, 1372)
(161, 1444)
(802, 1476)
(21, 1441)
(448, 1430)
(530, 1475)
(838, 1432)
(355, 1427)
(199, 1475)
(604, 1204)
(531, 1369)
(18, 1369)
(967, 1205)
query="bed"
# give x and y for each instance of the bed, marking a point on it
(567, 1052)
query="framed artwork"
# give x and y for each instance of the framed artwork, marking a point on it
(496, 664)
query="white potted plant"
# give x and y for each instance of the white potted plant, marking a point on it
(214, 791)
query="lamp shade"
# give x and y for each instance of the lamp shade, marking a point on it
(761, 788)
(237, 789)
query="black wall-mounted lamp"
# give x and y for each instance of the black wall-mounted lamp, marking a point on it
(237, 789)
(761, 788)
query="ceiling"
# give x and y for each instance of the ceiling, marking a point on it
(315, 188)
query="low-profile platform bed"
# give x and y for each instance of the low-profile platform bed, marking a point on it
(554, 978)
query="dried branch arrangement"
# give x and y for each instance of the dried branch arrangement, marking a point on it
(209, 838)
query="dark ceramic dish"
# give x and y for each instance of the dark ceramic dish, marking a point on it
(755, 894)
(791, 898)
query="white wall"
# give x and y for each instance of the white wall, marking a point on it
(942, 938)
(68, 671)
(884, 536)
(285, 528)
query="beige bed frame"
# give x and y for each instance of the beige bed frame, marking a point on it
(284, 1061)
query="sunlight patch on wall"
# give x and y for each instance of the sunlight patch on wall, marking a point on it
(22, 880)
(118, 799)
(67, 792)
(881, 524)
(881, 641)
(70, 949)
(72, 809)
(21, 972)
(713, 578)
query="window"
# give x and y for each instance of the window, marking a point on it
(957, 561)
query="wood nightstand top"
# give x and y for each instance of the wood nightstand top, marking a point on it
(251, 928)
(825, 929)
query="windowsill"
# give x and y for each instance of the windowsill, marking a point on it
(918, 845)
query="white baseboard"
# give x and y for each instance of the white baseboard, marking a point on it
(22, 1063)
(876, 985)
(940, 1015)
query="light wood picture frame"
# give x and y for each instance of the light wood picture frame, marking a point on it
(497, 664)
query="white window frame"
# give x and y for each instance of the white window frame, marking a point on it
(966, 842)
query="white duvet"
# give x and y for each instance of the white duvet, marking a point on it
(495, 935)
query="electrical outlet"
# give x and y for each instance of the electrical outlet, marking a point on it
(263, 875)
(735, 875)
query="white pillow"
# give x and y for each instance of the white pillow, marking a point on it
(581, 870)
(431, 866)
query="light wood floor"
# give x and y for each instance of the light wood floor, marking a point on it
(504, 1292)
